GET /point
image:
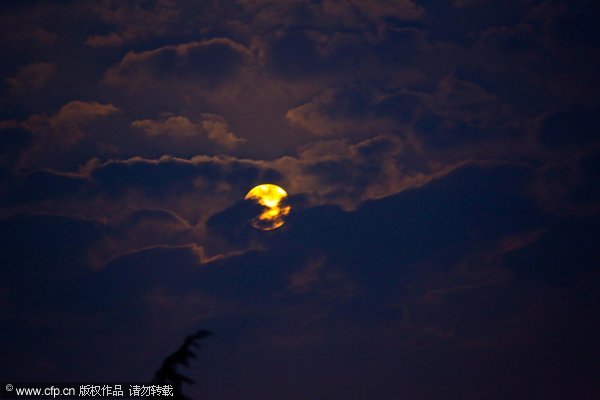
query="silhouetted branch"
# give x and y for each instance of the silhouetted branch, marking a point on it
(167, 373)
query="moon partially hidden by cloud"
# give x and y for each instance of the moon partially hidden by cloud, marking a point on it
(273, 199)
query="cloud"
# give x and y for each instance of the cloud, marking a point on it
(174, 173)
(137, 230)
(57, 264)
(110, 40)
(29, 31)
(31, 78)
(347, 271)
(340, 14)
(395, 277)
(531, 61)
(340, 112)
(455, 113)
(133, 23)
(218, 131)
(209, 62)
(587, 167)
(572, 244)
(379, 9)
(341, 172)
(193, 188)
(440, 167)
(52, 141)
(56, 135)
(212, 126)
(566, 129)
(77, 112)
(65, 126)
(337, 171)
(310, 54)
(13, 141)
(42, 185)
(175, 126)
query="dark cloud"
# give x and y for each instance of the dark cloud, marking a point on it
(56, 136)
(360, 110)
(438, 224)
(358, 168)
(565, 129)
(305, 54)
(169, 174)
(455, 113)
(45, 288)
(441, 162)
(13, 141)
(134, 22)
(585, 189)
(441, 133)
(446, 207)
(424, 258)
(233, 223)
(31, 77)
(41, 185)
(572, 243)
(209, 62)
(588, 166)
(372, 279)
(212, 126)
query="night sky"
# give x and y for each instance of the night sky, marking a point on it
(442, 163)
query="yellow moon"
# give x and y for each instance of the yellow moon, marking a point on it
(274, 201)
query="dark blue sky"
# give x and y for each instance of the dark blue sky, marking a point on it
(442, 162)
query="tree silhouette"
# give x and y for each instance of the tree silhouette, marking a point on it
(167, 374)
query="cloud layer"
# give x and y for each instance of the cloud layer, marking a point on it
(441, 160)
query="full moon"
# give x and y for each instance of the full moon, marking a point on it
(273, 199)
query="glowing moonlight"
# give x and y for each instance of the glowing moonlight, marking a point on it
(274, 200)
